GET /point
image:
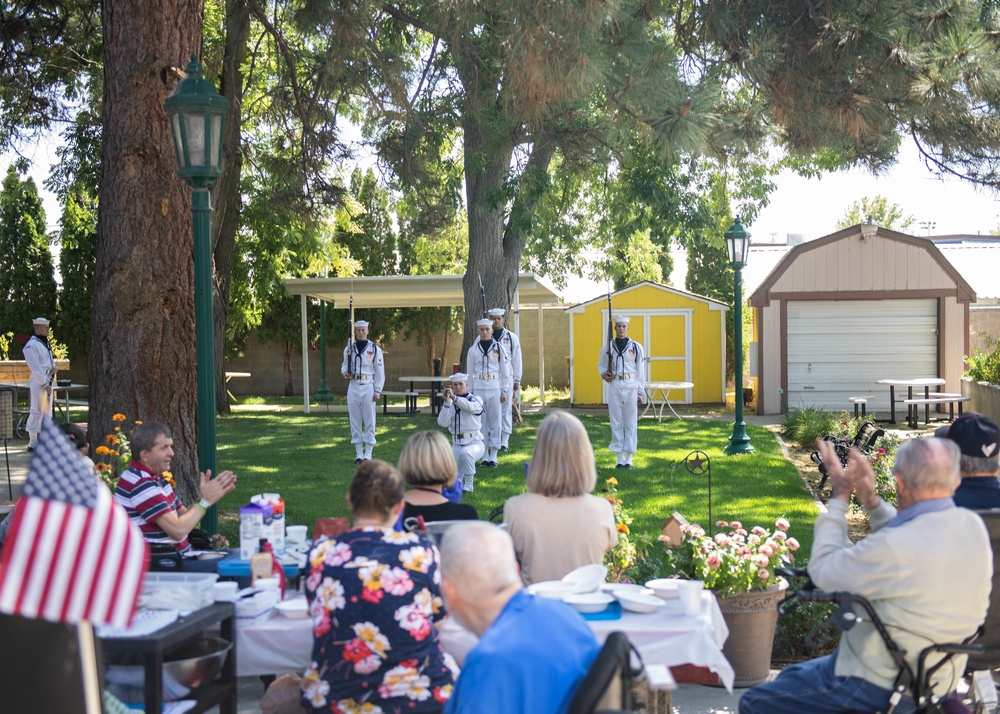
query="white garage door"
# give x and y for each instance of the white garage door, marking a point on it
(841, 348)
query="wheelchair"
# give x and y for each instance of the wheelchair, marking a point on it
(852, 609)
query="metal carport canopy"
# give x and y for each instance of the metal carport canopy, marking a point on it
(411, 291)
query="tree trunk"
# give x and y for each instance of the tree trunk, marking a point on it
(143, 333)
(226, 194)
(495, 242)
(286, 354)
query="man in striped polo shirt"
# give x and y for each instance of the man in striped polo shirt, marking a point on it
(151, 502)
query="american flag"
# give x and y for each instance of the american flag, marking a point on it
(72, 553)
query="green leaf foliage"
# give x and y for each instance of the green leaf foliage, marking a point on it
(27, 281)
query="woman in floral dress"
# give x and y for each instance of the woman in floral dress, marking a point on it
(374, 597)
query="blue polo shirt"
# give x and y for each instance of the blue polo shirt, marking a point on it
(530, 661)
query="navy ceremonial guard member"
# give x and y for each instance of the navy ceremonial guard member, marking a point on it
(489, 368)
(42, 364)
(511, 346)
(621, 365)
(364, 368)
(460, 414)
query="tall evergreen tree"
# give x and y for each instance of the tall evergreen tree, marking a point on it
(27, 280)
(78, 241)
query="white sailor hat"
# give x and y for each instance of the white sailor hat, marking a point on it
(485, 322)
(362, 323)
(497, 312)
(459, 377)
(40, 321)
(621, 319)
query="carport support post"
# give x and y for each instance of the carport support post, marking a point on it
(738, 243)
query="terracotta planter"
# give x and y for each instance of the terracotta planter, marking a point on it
(751, 618)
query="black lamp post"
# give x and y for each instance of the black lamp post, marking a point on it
(197, 115)
(738, 245)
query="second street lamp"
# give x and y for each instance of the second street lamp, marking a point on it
(738, 245)
(197, 115)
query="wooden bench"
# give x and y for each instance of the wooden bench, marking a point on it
(17, 372)
(410, 397)
(913, 406)
(862, 402)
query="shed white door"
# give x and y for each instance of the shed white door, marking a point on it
(838, 349)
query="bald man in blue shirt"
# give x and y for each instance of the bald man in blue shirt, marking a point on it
(532, 652)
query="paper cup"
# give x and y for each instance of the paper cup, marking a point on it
(689, 592)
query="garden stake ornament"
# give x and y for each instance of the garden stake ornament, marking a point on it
(697, 463)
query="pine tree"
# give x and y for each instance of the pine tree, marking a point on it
(27, 281)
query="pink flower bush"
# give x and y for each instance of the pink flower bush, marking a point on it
(732, 562)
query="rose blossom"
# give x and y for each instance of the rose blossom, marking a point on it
(782, 524)
(722, 539)
(721, 524)
(735, 524)
(780, 535)
(758, 531)
(793, 544)
(713, 561)
(763, 574)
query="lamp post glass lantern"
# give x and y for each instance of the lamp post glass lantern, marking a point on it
(738, 245)
(197, 118)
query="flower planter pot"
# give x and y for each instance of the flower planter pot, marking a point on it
(751, 618)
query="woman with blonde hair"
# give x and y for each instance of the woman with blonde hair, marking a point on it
(428, 466)
(559, 525)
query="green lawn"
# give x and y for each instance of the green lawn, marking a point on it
(309, 460)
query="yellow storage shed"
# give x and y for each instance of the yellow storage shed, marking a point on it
(682, 334)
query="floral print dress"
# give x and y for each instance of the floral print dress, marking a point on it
(374, 596)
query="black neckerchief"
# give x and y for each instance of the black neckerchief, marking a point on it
(497, 334)
(360, 346)
(44, 340)
(621, 343)
(485, 346)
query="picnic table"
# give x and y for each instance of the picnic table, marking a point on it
(435, 390)
(235, 375)
(925, 382)
(64, 389)
(662, 389)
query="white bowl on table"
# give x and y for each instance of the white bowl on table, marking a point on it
(551, 589)
(587, 578)
(666, 588)
(639, 602)
(615, 588)
(296, 609)
(589, 603)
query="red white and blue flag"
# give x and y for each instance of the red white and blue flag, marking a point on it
(72, 553)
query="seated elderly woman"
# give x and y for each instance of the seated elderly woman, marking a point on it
(374, 596)
(558, 525)
(428, 466)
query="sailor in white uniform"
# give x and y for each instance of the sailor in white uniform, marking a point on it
(621, 365)
(511, 346)
(364, 369)
(461, 414)
(42, 364)
(489, 369)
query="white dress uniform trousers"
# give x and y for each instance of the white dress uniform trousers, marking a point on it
(462, 417)
(42, 364)
(488, 372)
(368, 369)
(624, 391)
(511, 345)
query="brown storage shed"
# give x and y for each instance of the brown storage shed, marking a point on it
(839, 313)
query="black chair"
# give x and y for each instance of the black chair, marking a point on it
(864, 441)
(496, 515)
(607, 687)
(989, 658)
